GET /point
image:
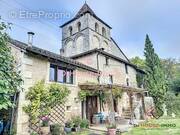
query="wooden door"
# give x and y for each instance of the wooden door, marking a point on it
(91, 107)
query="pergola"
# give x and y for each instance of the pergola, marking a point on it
(108, 87)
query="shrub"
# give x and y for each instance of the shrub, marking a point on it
(76, 121)
(84, 123)
(69, 124)
(55, 129)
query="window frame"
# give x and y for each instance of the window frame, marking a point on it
(103, 31)
(126, 68)
(70, 30)
(96, 27)
(111, 79)
(65, 70)
(79, 26)
(127, 81)
(107, 61)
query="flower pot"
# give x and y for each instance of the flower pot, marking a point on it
(45, 130)
(67, 129)
(111, 131)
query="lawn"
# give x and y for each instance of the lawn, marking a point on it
(152, 127)
(162, 126)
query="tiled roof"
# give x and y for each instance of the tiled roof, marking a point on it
(48, 54)
(85, 9)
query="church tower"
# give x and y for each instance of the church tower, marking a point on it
(85, 32)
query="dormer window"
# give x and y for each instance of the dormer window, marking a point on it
(103, 31)
(79, 26)
(96, 27)
(70, 30)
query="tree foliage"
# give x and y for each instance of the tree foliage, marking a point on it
(10, 79)
(138, 62)
(155, 80)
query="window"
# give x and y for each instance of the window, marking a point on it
(52, 76)
(126, 68)
(127, 82)
(110, 79)
(107, 61)
(79, 26)
(96, 27)
(103, 31)
(70, 30)
(61, 75)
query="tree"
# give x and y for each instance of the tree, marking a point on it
(138, 62)
(10, 79)
(155, 78)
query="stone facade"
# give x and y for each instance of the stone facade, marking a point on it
(80, 35)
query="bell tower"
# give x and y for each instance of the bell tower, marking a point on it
(85, 32)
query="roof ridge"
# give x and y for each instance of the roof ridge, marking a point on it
(85, 9)
(47, 53)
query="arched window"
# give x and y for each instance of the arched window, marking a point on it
(103, 31)
(96, 27)
(70, 30)
(79, 26)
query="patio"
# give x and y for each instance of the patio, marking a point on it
(122, 126)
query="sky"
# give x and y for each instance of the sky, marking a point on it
(130, 20)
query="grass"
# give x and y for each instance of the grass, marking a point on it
(160, 127)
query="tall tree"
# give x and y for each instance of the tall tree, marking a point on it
(155, 80)
(10, 79)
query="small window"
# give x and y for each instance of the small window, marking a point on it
(79, 26)
(107, 61)
(96, 27)
(103, 31)
(110, 79)
(68, 108)
(126, 68)
(127, 82)
(61, 75)
(52, 76)
(70, 30)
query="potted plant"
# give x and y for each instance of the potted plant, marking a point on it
(76, 123)
(45, 128)
(111, 129)
(68, 126)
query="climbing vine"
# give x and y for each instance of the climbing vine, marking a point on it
(42, 97)
(116, 92)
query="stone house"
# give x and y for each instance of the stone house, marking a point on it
(91, 59)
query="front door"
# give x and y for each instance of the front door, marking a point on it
(91, 107)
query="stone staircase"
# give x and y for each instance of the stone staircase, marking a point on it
(127, 112)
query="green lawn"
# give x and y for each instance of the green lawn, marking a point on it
(161, 128)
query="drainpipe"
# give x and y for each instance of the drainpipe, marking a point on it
(97, 58)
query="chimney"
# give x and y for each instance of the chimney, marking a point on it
(30, 38)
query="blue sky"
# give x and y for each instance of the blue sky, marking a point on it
(130, 20)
